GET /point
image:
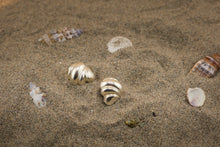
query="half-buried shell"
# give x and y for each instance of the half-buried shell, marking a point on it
(117, 43)
(80, 74)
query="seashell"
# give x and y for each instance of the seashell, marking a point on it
(117, 43)
(60, 35)
(110, 99)
(196, 96)
(131, 123)
(76, 33)
(110, 90)
(80, 74)
(45, 39)
(207, 66)
(38, 97)
(57, 37)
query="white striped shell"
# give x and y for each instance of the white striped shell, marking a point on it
(80, 74)
(110, 90)
(117, 43)
(196, 96)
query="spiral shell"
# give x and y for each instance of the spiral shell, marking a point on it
(38, 96)
(207, 66)
(60, 35)
(110, 90)
(80, 74)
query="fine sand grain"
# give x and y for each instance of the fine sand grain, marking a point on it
(168, 36)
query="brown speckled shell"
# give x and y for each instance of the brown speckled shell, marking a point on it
(208, 66)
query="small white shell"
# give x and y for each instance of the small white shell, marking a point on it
(117, 43)
(196, 96)
(80, 74)
(38, 97)
(110, 90)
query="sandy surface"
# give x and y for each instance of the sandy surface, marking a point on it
(168, 38)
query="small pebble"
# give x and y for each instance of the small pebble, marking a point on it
(131, 123)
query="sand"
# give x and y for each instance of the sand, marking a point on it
(168, 38)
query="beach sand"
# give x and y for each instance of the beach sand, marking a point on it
(168, 38)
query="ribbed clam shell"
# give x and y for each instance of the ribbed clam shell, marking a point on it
(208, 66)
(196, 96)
(80, 73)
(110, 90)
(117, 43)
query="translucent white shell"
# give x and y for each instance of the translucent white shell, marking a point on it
(196, 96)
(117, 43)
(38, 97)
(80, 74)
(110, 90)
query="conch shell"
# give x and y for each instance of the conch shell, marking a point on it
(110, 90)
(80, 74)
(207, 66)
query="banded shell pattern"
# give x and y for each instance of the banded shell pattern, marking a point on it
(196, 96)
(207, 66)
(38, 96)
(80, 74)
(60, 35)
(110, 90)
